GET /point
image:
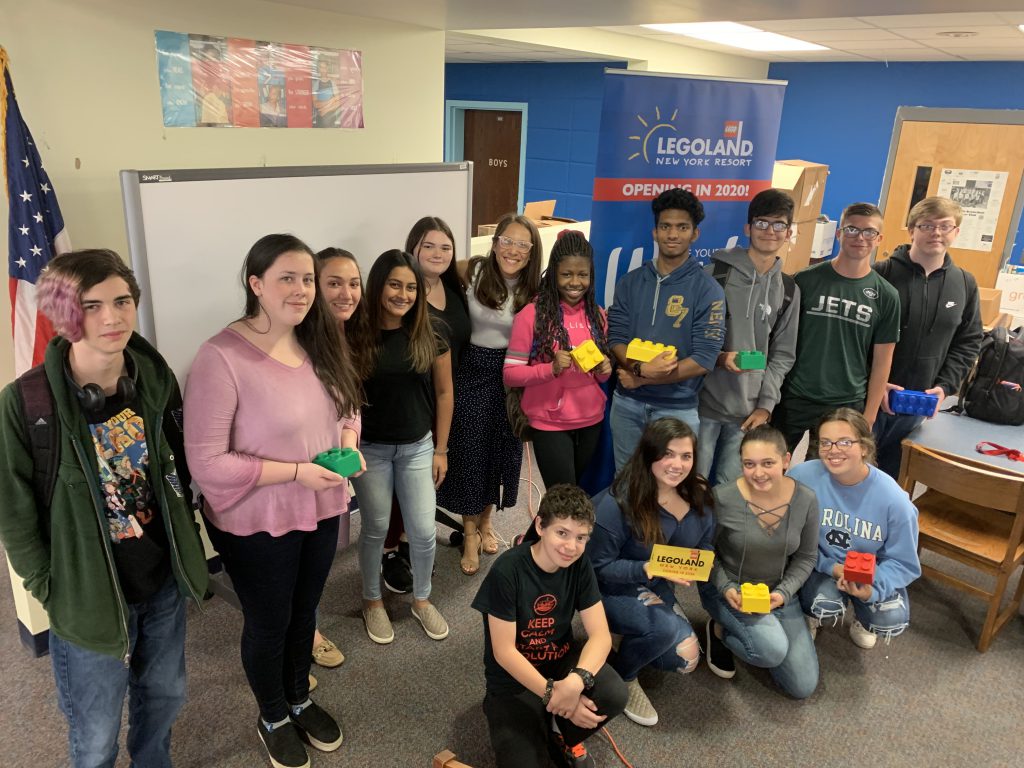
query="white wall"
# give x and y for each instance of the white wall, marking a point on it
(86, 78)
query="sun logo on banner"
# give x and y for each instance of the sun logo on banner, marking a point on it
(651, 127)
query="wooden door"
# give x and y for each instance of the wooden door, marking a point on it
(492, 142)
(929, 150)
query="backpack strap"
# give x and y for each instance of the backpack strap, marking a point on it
(40, 424)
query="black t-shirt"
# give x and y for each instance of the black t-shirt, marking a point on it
(452, 324)
(399, 401)
(137, 534)
(541, 604)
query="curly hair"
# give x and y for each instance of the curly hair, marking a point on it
(61, 285)
(636, 489)
(678, 199)
(549, 325)
(565, 501)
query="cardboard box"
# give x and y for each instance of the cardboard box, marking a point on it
(539, 210)
(989, 300)
(805, 182)
(1012, 302)
(486, 229)
(796, 254)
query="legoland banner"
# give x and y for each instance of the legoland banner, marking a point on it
(714, 137)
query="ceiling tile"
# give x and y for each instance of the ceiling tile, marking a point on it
(948, 20)
(784, 25)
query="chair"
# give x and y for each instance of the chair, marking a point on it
(972, 513)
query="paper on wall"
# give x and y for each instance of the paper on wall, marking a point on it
(980, 195)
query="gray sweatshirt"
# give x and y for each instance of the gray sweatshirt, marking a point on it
(752, 301)
(744, 551)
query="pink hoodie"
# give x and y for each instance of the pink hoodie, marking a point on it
(554, 404)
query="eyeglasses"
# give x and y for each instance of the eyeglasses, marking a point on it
(775, 226)
(869, 234)
(943, 228)
(843, 444)
(519, 245)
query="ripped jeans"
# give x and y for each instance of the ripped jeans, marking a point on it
(654, 630)
(821, 599)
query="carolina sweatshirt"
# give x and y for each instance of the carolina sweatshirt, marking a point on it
(753, 302)
(685, 308)
(874, 516)
(572, 399)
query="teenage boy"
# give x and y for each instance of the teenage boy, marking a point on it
(849, 325)
(668, 300)
(544, 694)
(940, 322)
(762, 314)
(110, 546)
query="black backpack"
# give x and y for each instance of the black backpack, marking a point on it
(994, 390)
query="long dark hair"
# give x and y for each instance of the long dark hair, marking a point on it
(423, 342)
(318, 333)
(450, 277)
(549, 324)
(636, 489)
(490, 289)
(358, 318)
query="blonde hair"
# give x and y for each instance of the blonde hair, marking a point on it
(935, 208)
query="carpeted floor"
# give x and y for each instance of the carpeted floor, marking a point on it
(928, 699)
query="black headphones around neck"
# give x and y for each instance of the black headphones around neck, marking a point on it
(92, 398)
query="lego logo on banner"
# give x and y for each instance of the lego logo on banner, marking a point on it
(661, 142)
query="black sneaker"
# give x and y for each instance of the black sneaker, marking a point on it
(719, 657)
(283, 744)
(396, 573)
(403, 552)
(317, 727)
(570, 757)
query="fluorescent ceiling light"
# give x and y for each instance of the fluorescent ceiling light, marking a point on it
(738, 36)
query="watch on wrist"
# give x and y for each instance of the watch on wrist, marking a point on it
(548, 688)
(586, 677)
(636, 370)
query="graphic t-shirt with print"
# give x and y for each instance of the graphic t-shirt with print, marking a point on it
(137, 535)
(542, 606)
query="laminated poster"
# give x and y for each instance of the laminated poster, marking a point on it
(210, 81)
(980, 194)
(681, 562)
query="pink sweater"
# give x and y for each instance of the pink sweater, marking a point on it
(241, 407)
(571, 400)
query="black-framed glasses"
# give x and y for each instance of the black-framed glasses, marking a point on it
(929, 227)
(843, 443)
(870, 233)
(775, 226)
(521, 245)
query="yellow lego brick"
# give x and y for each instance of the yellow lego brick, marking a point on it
(587, 355)
(645, 351)
(755, 598)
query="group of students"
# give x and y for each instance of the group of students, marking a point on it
(411, 370)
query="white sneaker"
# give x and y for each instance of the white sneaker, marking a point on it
(861, 637)
(638, 707)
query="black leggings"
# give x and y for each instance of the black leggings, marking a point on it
(278, 580)
(520, 726)
(563, 456)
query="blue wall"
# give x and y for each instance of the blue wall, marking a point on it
(563, 118)
(843, 114)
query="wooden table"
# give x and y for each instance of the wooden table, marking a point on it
(957, 436)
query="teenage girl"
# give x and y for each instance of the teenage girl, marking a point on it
(657, 498)
(432, 243)
(486, 457)
(407, 377)
(264, 395)
(766, 533)
(862, 510)
(341, 285)
(564, 404)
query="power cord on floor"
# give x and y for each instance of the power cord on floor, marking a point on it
(615, 747)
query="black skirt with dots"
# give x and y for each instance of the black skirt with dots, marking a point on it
(484, 457)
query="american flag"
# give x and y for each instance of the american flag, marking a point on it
(35, 228)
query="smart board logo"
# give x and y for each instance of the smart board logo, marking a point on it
(662, 142)
(154, 177)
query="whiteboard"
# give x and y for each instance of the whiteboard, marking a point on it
(189, 231)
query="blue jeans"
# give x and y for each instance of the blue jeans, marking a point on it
(404, 471)
(629, 417)
(91, 686)
(889, 433)
(778, 641)
(718, 447)
(821, 599)
(650, 633)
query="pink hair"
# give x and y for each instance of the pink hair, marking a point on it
(59, 296)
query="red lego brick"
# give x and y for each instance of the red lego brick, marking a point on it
(859, 567)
